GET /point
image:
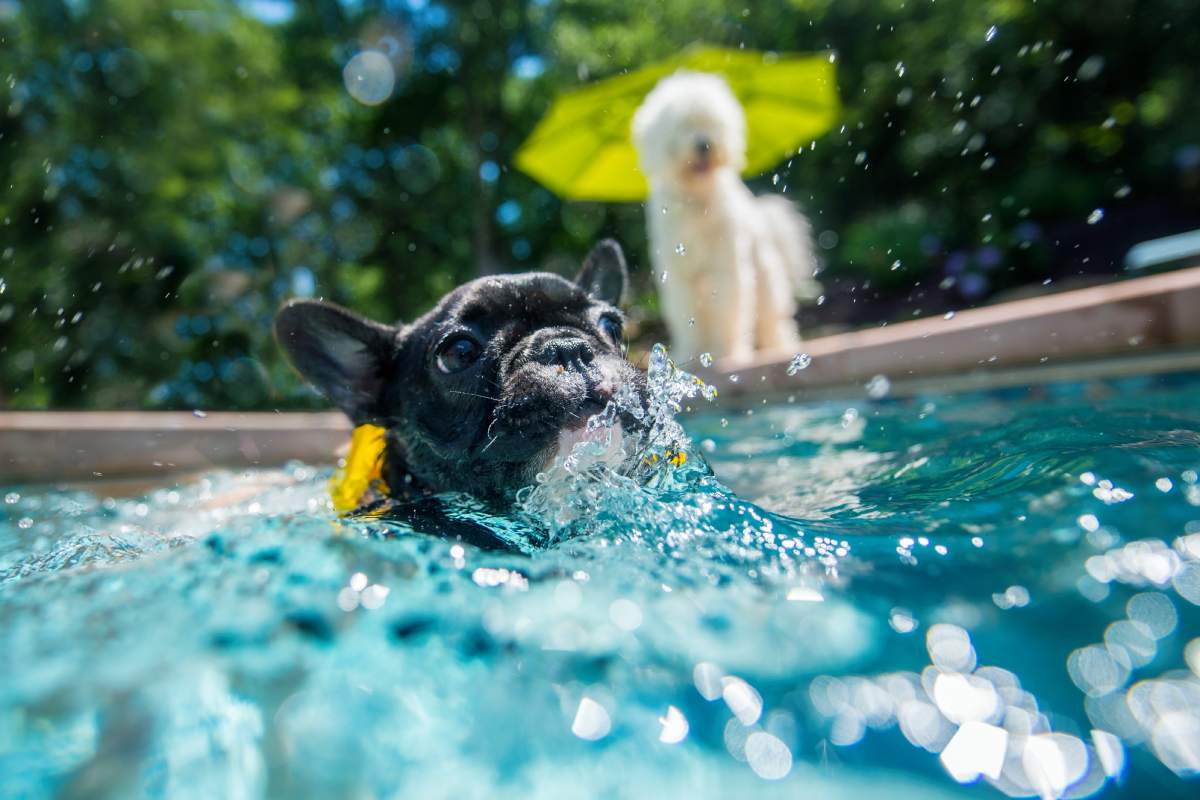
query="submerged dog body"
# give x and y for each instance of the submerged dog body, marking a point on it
(482, 392)
(730, 265)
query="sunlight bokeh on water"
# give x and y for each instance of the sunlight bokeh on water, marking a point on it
(892, 596)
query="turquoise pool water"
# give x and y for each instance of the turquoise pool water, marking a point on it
(932, 597)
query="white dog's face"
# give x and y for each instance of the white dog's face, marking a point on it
(687, 129)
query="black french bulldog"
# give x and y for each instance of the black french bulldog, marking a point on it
(479, 394)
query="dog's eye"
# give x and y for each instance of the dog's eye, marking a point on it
(457, 354)
(611, 327)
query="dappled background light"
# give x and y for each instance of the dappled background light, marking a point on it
(174, 170)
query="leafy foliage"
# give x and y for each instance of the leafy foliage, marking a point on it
(173, 170)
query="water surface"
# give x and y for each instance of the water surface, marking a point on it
(878, 596)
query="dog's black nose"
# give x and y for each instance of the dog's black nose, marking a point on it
(570, 352)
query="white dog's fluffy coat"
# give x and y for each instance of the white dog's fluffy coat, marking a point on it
(729, 265)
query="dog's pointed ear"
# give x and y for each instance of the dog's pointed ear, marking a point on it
(604, 275)
(345, 356)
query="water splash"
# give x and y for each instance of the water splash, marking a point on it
(800, 361)
(652, 460)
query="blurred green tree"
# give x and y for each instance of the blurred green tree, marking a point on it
(173, 170)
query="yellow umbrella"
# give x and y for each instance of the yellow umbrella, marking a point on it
(582, 149)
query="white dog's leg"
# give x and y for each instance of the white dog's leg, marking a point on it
(730, 325)
(678, 300)
(775, 316)
(680, 312)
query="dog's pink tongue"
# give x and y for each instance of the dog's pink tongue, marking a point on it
(611, 453)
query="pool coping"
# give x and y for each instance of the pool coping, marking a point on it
(41, 446)
(1134, 327)
(1157, 315)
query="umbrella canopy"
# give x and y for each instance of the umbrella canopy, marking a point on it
(583, 148)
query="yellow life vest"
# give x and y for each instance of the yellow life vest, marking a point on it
(360, 480)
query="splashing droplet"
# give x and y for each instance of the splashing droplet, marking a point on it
(878, 387)
(991, 34)
(948, 315)
(680, 249)
(706, 359)
(1095, 216)
(799, 362)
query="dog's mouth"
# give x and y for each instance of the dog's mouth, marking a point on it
(606, 444)
(701, 165)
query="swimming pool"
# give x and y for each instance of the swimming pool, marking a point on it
(893, 596)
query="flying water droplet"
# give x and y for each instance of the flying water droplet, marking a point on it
(1095, 216)
(878, 387)
(680, 249)
(991, 34)
(706, 359)
(896, 265)
(799, 362)
(1124, 191)
(948, 315)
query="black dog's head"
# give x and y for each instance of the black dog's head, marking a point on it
(480, 393)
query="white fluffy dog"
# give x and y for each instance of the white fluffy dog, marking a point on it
(729, 265)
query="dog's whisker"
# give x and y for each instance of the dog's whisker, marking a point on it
(476, 394)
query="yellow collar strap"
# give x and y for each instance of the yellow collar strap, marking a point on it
(359, 480)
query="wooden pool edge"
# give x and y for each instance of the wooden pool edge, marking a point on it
(1153, 317)
(1135, 327)
(62, 446)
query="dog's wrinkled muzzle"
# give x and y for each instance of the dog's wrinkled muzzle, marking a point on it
(554, 384)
